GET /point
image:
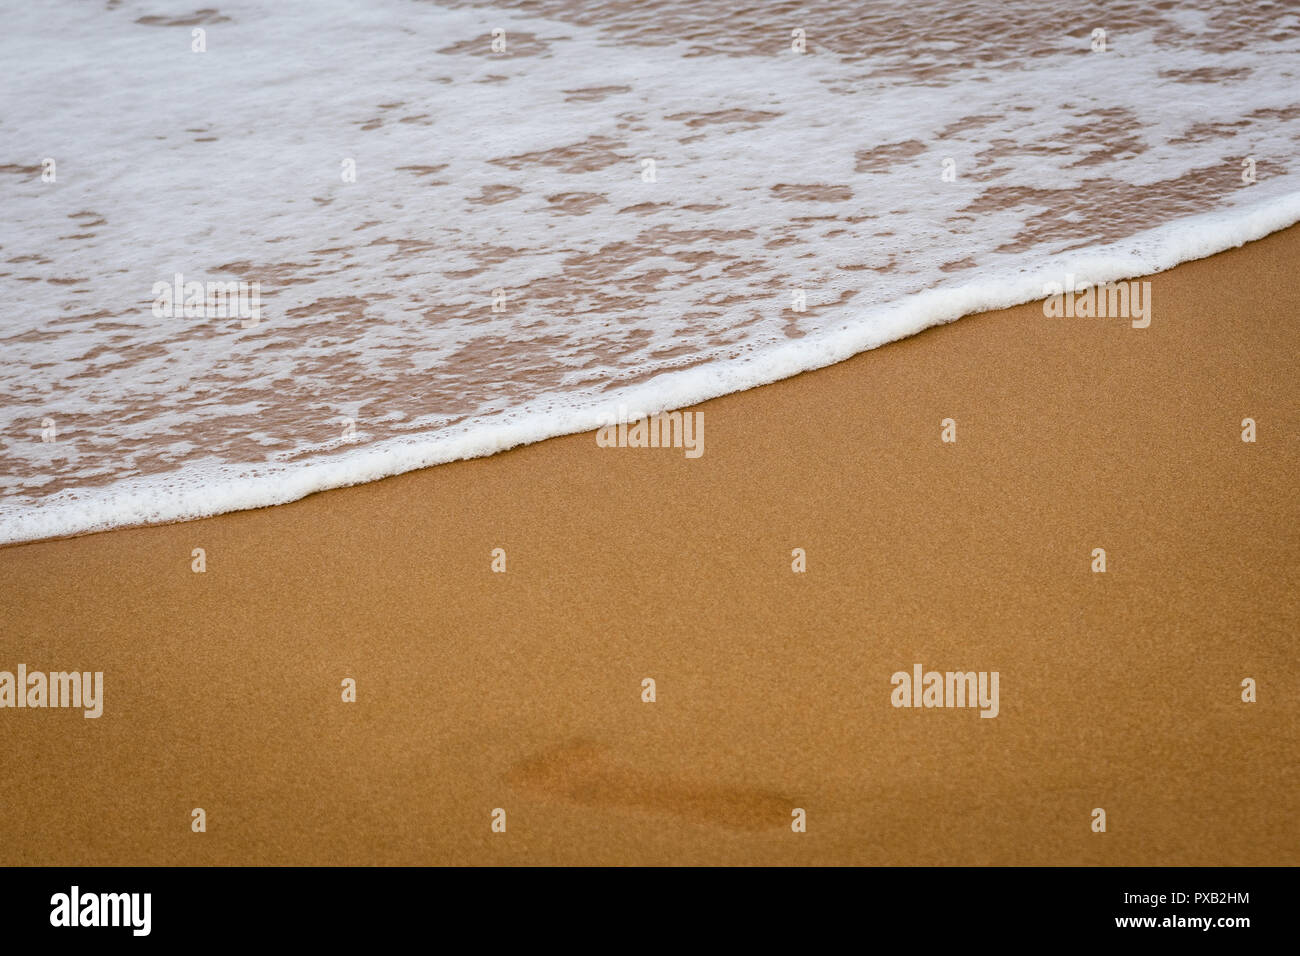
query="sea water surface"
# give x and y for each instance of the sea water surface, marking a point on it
(461, 247)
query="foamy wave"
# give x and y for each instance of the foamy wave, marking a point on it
(524, 171)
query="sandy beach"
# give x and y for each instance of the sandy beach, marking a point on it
(522, 690)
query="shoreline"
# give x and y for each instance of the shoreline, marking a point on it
(1178, 242)
(523, 690)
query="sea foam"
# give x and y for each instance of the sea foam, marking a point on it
(519, 179)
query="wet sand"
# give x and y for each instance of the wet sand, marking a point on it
(523, 690)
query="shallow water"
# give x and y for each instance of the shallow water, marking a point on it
(505, 268)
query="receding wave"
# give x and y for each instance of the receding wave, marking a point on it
(437, 231)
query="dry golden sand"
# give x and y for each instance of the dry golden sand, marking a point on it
(522, 690)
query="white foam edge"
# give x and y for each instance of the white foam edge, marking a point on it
(164, 499)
